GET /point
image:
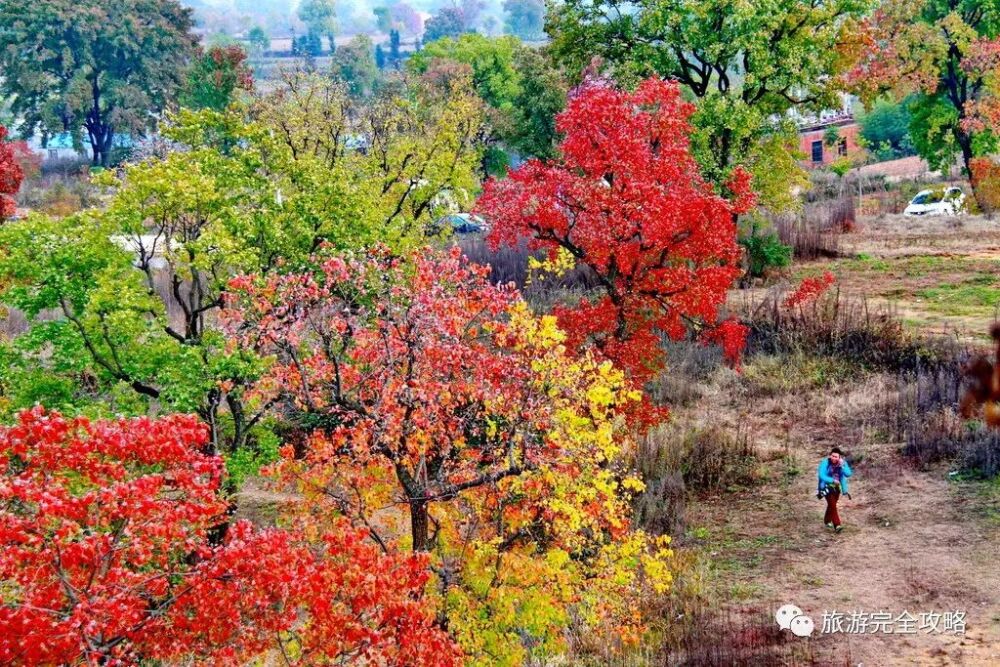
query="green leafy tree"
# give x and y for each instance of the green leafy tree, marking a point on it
(831, 136)
(355, 65)
(394, 56)
(383, 19)
(491, 59)
(745, 64)
(491, 62)
(309, 45)
(525, 18)
(946, 55)
(531, 122)
(93, 67)
(448, 22)
(215, 78)
(124, 302)
(522, 87)
(886, 128)
(259, 40)
(320, 17)
(379, 57)
(765, 251)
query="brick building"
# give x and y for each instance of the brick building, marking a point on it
(813, 140)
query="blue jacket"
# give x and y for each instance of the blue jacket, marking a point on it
(824, 477)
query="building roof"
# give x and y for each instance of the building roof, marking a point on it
(839, 120)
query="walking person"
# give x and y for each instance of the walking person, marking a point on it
(832, 475)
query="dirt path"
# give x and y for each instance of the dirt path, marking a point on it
(908, 546)
(913, 541)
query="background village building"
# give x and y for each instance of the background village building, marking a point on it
(824, 141)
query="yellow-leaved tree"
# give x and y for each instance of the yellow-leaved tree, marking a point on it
(255, 188)
(434, 410)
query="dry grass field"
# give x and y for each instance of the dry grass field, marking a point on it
(915, 539)
(941, 275)
(922, 532)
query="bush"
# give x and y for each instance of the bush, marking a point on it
(886, 126)
(835, 326)
(707, 459)
(660, 509)
(690, 365)
(674, 460)
(795, 373)
(942, 435)
(764, 252)
(58, 194)
(843, 215)
(985, 180)
(980, 453)
(509, 264)
(716, 460)
(808, 238)
(925, 418)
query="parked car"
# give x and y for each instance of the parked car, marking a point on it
(461, 223)
(950, 201)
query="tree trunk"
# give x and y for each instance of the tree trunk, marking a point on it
(210, 415)
(419, 525)
(101, 141)
(239, 421)
(109, 142)
(99, 132)
(965, 144)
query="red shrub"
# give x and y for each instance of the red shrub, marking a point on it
(114, 550)
(985, 180)
(809, 290)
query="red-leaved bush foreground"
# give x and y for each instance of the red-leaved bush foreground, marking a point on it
(809, 290)
(626, 198)
(11, 175)
(114, 549)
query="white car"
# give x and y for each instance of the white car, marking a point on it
(937, 202)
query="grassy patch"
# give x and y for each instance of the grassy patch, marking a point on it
(914, 266)
(978, 293)
(773, 375)
(864, 263)
(743, 591)
(921, 265)
(985, 497)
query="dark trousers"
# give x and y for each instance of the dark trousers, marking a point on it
(831, 515)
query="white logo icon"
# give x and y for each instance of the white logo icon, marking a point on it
(790, 617)
(802, 626)
(785, 614)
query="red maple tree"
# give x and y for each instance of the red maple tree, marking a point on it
(627, 200)
(11, 175)
(111, 553)
(415, 389)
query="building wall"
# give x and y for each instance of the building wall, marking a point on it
(811, 144)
